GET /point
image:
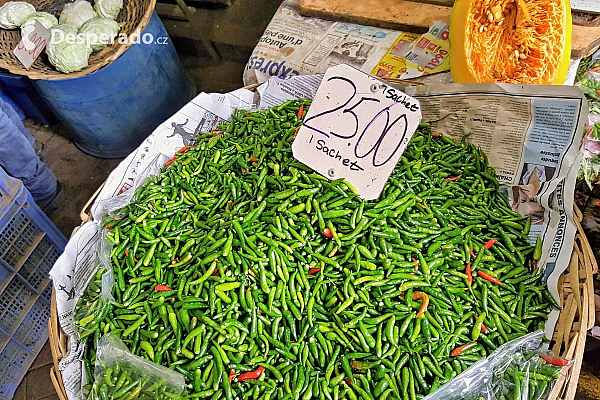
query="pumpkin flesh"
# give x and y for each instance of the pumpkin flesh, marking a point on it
(511, 41)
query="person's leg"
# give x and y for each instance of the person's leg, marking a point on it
(14, 117)
(18, 159)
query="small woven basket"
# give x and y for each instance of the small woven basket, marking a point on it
(134, 17)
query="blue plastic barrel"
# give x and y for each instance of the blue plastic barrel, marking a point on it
(111, 111)
(19, 92)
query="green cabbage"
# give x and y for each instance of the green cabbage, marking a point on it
(99, 32)
(47, 20)
(66, 50)
(14, 13)
(75, 14)
(108, 8)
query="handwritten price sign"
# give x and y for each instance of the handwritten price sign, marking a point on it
(35, 37)
(356, 128)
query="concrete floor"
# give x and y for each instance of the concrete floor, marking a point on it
(82, 174)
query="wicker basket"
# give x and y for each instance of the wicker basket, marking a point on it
(134, 16)
(576, 318)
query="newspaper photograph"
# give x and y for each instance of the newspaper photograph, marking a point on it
(530, 133)
(296, 45)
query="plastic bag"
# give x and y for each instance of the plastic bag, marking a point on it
(120, 374)
(110, 205)
(95, 300)
(519, 369)
(589, 171)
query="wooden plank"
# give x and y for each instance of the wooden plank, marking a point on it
(413, 16)
(585, 39)
(445, 3)
(390, 14)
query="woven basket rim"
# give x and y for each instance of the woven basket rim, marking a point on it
(112, 53)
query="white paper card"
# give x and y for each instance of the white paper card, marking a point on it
(356, 128)
(34, 39)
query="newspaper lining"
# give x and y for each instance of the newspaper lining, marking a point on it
(511, 122)
(296, 45)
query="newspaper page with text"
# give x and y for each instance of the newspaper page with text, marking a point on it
(295, 45)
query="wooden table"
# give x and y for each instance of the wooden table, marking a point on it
(417, 16)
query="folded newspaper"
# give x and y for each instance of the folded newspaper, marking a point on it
(295, 45)
(531, 134)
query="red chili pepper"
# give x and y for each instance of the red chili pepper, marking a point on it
(175, 261)
(230, 202)
(471, 252)
(489, 243)
(252, 374)
(254, 159)
(162, 288)
(183, 149)
(327, 233)
(135, 259)
(248, 115)
(261, 311)
(435, 135)
(171, 161)
(598, 92)
(231, 374)
(118, 217)
(126, 252)
(454, 179)
(488, 277)
(469, 274)
(296, 131)
(216, 272)
(244, 170)
(423, 206)
(348, 382)
(300, 112)
(108, 228)
(313, 271)
(460, 349)
(559, 362)
(484, 328)
(424, 302)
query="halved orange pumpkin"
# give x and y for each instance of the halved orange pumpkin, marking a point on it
(512, 41)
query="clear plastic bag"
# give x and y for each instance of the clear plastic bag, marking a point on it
(94, 301)
(520, 369)
(118, 374)
(110, 205)
(589, 170)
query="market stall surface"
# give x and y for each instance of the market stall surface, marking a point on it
(81, 175)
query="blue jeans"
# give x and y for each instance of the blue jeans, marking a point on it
(18, 157)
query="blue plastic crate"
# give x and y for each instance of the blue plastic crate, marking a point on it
(29, 246)
(14, 358)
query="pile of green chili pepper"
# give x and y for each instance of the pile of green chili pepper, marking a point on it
(256, 277)
(91, 308)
